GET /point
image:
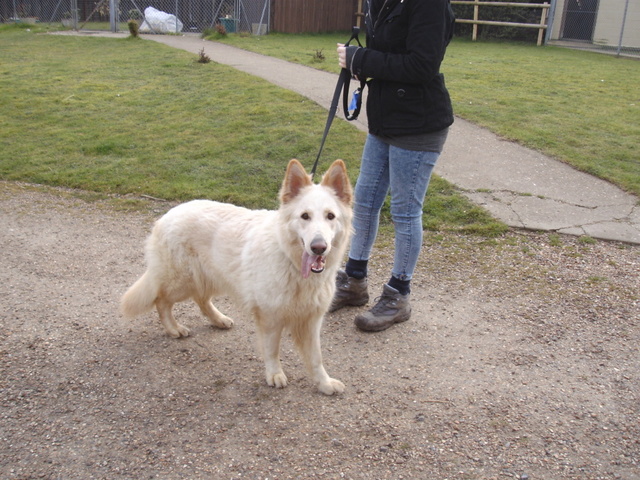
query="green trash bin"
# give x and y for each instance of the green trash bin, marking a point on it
(229, 24)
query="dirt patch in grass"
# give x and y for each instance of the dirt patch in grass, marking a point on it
(520, 361)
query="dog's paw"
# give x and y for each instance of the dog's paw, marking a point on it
(223, 322)
(331, 387)
(180, 331)
(278, 380)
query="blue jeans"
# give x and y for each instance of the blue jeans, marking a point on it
(406, 173)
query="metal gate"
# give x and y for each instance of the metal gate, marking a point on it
(579, 19)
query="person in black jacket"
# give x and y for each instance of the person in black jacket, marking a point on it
(409, 112)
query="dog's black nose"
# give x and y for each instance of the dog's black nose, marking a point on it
(318, 246)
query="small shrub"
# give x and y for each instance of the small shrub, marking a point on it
(134, 28)
(203, 57)
(318, 56)
(134, 14)
(215, 34)
(207, 32)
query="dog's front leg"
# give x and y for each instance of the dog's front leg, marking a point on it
(307, 338)
(270, 336)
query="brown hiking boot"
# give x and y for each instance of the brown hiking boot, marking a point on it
(391, 308)
(349, 292)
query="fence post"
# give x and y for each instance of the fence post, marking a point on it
(113, 15)
(476, 7)
(75, 14)
(543, 21)
(551, 13)
(176, 13)
(624, 20)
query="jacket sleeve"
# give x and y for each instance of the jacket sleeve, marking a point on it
(350, 53)
(408, 47)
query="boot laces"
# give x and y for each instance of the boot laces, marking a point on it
(384, 303)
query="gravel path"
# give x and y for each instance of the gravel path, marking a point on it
(521, 361)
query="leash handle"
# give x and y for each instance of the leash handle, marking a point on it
(343, 80)
(355, 31)
(352, 110)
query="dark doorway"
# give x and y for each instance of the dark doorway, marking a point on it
(579, 19)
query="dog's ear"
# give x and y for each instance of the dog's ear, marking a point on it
(295, 180)
(338, 179)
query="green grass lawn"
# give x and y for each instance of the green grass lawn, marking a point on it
(580, 107)
(128, 116)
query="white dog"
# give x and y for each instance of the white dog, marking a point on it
(263, 259)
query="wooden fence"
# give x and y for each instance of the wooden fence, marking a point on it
(313, 16)
(542, 26)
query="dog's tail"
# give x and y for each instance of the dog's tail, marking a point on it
(140, 297)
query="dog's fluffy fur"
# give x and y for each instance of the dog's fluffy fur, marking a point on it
(278, 265)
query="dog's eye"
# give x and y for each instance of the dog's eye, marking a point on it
(305, 216)
(331, 216)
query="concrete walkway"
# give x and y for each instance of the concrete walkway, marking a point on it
(519, 186)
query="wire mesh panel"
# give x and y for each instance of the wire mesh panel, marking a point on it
(167, 16)
(251, 16)
(36, 11)
(243, 15)
(579, 19)
(198, 15)
(606, 25)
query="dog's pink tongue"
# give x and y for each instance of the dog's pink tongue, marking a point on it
(307, 262)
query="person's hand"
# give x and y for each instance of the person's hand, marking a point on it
(342, 55)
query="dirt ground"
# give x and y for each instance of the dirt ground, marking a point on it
(521, 361)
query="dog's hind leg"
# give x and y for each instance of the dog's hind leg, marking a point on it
(171, 326)
(306, 336)
(217, 318)
(270, 335)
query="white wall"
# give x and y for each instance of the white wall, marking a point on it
(608, 23)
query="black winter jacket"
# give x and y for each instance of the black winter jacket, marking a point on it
(406, 43)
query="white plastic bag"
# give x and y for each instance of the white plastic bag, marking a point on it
(156, 21)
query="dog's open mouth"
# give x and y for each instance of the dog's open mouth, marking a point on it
(312, 263)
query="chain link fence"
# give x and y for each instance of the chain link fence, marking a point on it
(608, 26)
(611, 26)
(165, 16)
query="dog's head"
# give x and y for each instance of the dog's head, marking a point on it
(318, 216)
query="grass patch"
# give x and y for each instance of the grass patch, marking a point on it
(580, 108)
(314, 50)
(577, 106)
(116, 116)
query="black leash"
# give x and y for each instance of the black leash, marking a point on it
(342, 86)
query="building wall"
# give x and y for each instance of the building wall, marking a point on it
(608, 23)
